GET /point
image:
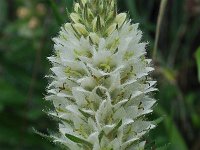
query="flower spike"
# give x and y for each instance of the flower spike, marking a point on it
(101, 86)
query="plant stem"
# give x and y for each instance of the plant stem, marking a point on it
(163, 5)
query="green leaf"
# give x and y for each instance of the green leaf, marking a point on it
(197, 56)
(79, 140)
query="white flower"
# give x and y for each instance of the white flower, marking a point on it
(100, 84)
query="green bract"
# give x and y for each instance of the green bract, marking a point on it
(100, 84)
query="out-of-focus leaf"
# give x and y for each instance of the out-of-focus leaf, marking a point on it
(8, 133)
(55, 10)
(166, 147)
(34, 114)
(69, 4)
(197, 55)
(195, 119)
(10, 95)
(132, 8)
(158, 121)
(3, 13)
(190, 101)
(175, 137)
(168, 74)
(1, 107)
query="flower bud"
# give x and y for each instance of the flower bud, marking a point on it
(120, 19)
(75, 17)
(111, 29)
(80, 29)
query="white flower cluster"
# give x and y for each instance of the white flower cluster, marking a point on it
(100, 84)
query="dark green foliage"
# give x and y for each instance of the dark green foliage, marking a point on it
(197, 55)
(26, 29)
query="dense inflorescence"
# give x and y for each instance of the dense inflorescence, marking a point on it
(100, 85)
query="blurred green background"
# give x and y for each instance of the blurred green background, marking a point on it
(26, 29)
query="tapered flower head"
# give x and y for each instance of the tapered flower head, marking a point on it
(100, 84)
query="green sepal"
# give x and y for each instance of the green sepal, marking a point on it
(79, 140)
